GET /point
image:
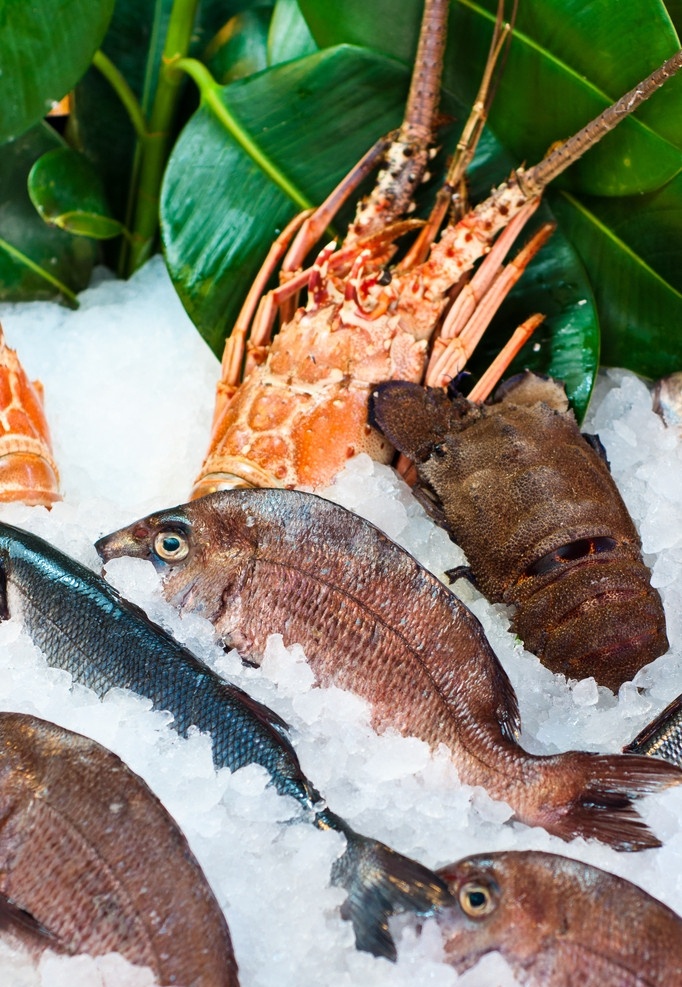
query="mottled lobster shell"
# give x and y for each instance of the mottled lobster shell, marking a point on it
(533, 505)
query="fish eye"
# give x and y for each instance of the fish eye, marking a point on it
(171, 546)
(476, 900)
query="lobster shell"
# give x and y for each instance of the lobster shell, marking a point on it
(27, 470)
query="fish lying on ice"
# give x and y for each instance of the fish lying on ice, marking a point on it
(533, 505)
(83, 625)
(372, 620)
(662, 737)
(70, 881)
(559, 922)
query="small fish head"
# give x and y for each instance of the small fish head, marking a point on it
(503, 904)
(469, 925)
(163, 538)
(198, 548)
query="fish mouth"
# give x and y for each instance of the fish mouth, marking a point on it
(127, 541)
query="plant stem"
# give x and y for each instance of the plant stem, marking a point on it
(40, 271)
(212, 97)
(123, 91)
(155, 144)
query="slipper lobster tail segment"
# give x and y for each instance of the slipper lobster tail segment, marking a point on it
(28, 471)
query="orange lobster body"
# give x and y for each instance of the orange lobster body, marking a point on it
(27, 469)
(298, 416)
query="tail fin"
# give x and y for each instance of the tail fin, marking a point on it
(604, 787)
(380, 883)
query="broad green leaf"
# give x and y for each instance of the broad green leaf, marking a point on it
(569, 60)
(46, 47)
(674, 8)
(68, 193)
(640, 309)
(134, 43)
(219, 212)
(652, 230)
(36, 260)
(289, 34)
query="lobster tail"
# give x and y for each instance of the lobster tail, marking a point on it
(27, 470)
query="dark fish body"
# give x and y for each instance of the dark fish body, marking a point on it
(83, 625)
(91, 859)
(372, 620)
(662, 737)
(534, 507)
(559, 922)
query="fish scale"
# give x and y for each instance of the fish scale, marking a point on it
(83, 625)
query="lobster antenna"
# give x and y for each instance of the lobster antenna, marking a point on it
(468, 141)
(535, 180)
(407, 156)
(424, 95)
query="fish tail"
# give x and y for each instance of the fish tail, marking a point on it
(380, 882)
(592, 796)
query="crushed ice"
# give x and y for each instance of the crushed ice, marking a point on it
(129, 392)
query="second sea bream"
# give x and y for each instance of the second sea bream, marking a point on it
(374, 621)
(83, 625)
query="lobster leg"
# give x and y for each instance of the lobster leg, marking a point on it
(487, 381)
(235, 344)
(474, 308)
(391, 198)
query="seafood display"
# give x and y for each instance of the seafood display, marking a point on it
(70, 880)
(384, 784)
(558, 922)
(357, 665)
(300, 411)
(28, 471)
(531, 502)
(84, 626)
(410, 647)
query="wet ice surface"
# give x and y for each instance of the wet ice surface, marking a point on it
(129, 395)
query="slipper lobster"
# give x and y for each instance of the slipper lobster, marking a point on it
(532, 503)
(301, 408)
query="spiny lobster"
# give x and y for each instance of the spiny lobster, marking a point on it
(292, 411)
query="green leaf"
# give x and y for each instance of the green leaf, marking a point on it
(240, 48)
(640, 307)
(68, 193)
(289, 34)
(569, 59)
(46, 47)
(219, 212)
(134, 43)
(36, 260)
